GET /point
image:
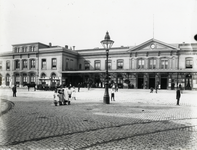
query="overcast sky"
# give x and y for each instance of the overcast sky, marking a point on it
(83, 23)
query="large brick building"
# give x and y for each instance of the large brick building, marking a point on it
(143, 66)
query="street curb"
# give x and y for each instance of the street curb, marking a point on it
(6, 106)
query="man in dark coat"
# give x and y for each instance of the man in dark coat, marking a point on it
(14, 91)
(178, 95)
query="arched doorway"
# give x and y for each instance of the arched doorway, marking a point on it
(0, 79)
(7, 79)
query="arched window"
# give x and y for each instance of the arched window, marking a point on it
(24, 64)
(140, 63)
(17, 64)
(32, 78)
(32, 63)
(164, 63)
(152, 63)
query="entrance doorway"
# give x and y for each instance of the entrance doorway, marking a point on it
(151, 83)
(140, 83)
(164, 83)
(188, 82)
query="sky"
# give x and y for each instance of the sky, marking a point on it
(84, 23)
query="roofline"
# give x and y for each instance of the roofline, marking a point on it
(152, 40)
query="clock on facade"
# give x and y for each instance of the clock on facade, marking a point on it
(152, 46)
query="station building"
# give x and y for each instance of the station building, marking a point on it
(141, 67)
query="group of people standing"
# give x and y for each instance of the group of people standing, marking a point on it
(63, 96)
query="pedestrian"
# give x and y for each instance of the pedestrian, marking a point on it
(113, 93)
(79, 85)
(69, 93)
(66, 98)
(61, 96)
(180, 87)
(116, 87)
(156, 88)
(178, 95)
(74, 93)
(151, 90)
(56, 97)
(14, 90)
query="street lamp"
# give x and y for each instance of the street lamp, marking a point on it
(107, 44)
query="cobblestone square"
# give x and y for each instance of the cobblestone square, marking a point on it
(137, 119)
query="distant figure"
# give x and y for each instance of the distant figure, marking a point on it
(180, 87)
(113, 93)
(14, 90)
(69, 91)
(151, 90)
(156, 88)
(74, 93)
(178, 95)
(56, 97)
(79, 85)
(116, 87)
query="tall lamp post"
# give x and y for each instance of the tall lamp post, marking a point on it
(107, 44)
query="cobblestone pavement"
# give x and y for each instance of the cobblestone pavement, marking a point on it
(136, 120)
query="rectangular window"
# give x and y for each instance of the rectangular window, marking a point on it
(189, 63)
(140, 63)
(0, 65)
(17, 64)
(25, 49)
(164, 64)
(87, 66)
(54, 63)
(109, 65)
(97, 65)
(152, 63)
(24, 64)
(44, 64)
(32, 63)
(24, 78)
(120, 64)
(8, 65)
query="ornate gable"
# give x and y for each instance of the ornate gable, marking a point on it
(153, 45)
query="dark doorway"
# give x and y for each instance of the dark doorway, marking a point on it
(188, 82)
(140, 83)
(164, 83)
(151, 83)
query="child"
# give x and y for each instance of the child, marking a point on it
(69, 93)
(55, 97)
(74, 93)
(113, 93)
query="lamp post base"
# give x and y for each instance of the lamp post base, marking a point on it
(106, 99)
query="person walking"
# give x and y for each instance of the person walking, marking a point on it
(113, 93)
(14, 90)
(178, 95)
(79, 85)
(55, 97)
(156, 88)
(69, 93)
(74, 93)
(66, 98)
(180, 87)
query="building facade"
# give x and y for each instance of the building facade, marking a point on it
(143, 66)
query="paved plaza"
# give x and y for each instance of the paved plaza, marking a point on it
(137, 119)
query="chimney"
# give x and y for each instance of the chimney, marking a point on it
(50, 44)
(66, 46)
(73, 47)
